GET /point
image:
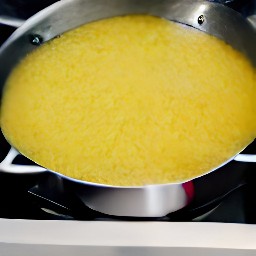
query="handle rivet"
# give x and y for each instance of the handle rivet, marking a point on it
(201, 19)
(36, 39)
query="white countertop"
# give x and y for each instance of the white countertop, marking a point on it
(48, 237)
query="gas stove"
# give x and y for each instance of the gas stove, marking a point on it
(34, 218)
(34, 197)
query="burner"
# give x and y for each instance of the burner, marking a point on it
(37, 204)
(217, 210)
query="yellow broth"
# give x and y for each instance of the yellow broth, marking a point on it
(131, 100)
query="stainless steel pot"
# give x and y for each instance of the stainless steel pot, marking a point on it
(212, 18)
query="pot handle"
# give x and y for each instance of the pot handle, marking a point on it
(252, 19)
(7, 166)
(246, 158)
(11, 21)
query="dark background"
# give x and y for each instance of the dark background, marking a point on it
(25, 8)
